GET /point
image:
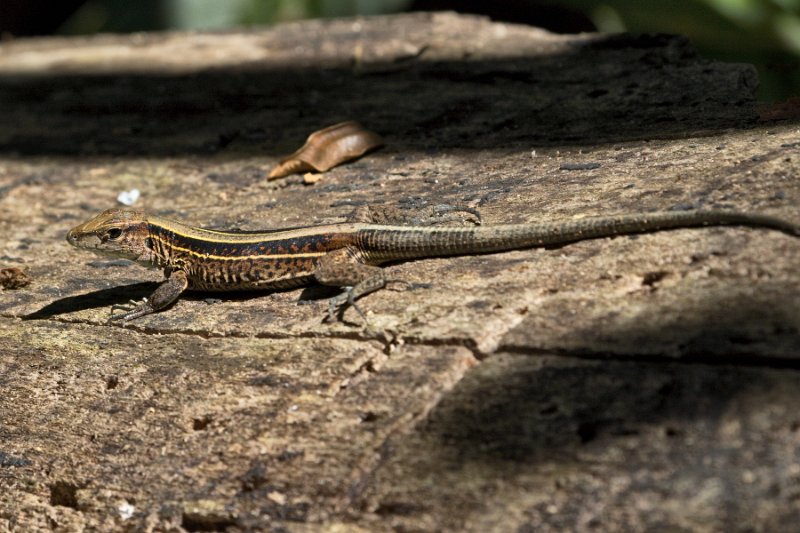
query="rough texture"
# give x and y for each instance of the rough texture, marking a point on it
(624, 384)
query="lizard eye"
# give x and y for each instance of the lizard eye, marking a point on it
(114, 233)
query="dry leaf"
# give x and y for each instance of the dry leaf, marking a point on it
(310, 179)
(329, 147)
(13, 278)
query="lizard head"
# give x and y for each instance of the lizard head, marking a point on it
(116, 233)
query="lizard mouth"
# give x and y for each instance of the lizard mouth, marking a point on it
(83, 241)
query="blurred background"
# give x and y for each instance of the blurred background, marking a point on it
(765, 33)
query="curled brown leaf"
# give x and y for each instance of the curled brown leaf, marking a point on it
(329, 147)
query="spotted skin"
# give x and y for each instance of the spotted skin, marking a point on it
(343, 255)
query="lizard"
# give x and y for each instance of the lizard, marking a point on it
(346, 254)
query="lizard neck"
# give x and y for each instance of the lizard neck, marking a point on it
(161, 243)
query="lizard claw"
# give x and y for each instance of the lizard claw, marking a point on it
(407, 285)
(441, 209)
(427, 216)
(130, 310)
(339, 303)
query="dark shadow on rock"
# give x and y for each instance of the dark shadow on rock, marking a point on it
(527, 412)
(315, 293)
(611, 89)
(727, 327)
(93, 300)
(599, 435)
(136, 291)
(621, 379)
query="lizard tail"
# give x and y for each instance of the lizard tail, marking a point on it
(387, 243)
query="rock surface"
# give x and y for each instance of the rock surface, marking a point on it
(644, 383)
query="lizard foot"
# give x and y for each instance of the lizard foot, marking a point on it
(426, 216)
(339, 304)
(406, 285)
(132, 309)
(447, 213)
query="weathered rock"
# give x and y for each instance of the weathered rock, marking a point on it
(249, 412)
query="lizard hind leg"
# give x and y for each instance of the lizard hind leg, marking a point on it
(427, 216)
(343, 268)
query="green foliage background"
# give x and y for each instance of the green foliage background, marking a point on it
(763, 32)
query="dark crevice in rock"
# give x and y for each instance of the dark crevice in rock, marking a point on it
(64, 494)
(755, 360)
(205, 522)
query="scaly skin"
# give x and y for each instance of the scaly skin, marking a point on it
(342, 255)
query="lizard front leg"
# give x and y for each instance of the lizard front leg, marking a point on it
(163, 296)
(343, 268)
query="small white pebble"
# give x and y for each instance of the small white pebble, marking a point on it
(277, 497)
(128, 197)
(126, 510)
